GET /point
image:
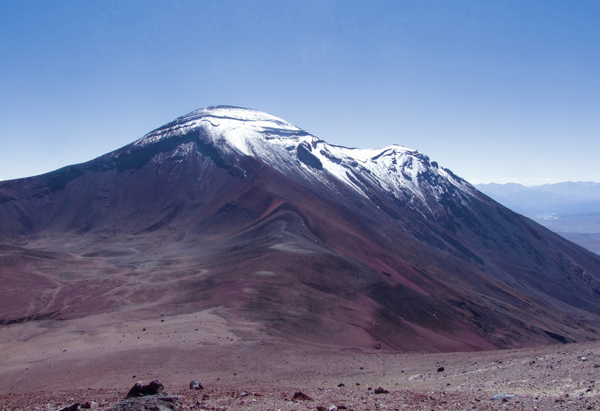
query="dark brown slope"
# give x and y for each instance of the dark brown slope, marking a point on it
(312, 263)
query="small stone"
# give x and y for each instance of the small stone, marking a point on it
(333, 408)
(440, 369)
(380, 390)
(195, 385)
(340, 385)
(502, 396)
(300, 396)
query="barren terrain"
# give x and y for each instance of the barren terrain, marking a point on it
(48, 365)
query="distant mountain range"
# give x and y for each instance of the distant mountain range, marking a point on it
(571, 209)
(277, 231)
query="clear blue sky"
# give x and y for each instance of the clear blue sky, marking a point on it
(494, 90)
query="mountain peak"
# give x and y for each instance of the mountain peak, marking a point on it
(235, 132)
(234, 113)
(236, 125)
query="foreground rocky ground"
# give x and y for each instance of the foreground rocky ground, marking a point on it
(551, 377)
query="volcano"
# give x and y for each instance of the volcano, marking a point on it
(281, 235)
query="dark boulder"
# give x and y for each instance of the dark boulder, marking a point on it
(195, 385)
(141, 390)
(300, 396)
(148, 397)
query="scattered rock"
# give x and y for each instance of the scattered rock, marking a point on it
(332, 407)
(300, 396)
(340, 385)
(321, 408)
(195, 385)
(141, 390)
(440, 369)
(149, 403)
(502, 397)
(72, 407)
(380, 390)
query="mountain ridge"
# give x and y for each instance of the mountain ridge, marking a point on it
(189, 222)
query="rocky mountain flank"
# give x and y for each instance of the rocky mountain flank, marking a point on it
(285, 236)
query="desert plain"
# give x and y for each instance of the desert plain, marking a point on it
(48, 365)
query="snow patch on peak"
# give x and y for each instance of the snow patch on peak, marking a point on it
(400, 172)
(238, 126)
(235, 113)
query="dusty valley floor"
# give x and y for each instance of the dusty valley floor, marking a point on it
(47, 365)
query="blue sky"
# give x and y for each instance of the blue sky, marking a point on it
(494, 90)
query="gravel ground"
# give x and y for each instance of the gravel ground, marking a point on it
(544, 378)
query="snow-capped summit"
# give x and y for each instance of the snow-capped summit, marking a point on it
(401, 172)
(234, 121)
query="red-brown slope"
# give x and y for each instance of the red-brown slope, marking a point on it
(313, 263)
